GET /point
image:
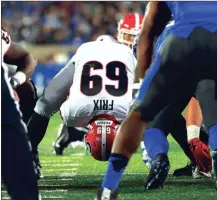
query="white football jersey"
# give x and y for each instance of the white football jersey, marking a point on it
(102, 82)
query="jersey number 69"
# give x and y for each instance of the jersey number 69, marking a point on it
(97, 80)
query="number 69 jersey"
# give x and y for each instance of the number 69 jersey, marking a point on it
(102, 83)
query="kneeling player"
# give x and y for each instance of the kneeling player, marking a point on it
(127, 28)
(100, 80)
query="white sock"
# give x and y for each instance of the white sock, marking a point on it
(193, 131)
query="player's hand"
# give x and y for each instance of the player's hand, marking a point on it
(16, 97)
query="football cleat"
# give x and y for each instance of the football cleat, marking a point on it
(159, 170)
(197, 173)
(106, 194)
(192, 170)
(185, 171)
(57, 150)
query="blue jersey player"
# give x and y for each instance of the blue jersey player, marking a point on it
(186, 56)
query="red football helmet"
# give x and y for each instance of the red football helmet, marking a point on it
(100, 136)
(128, 28)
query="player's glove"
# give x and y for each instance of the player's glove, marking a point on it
(15, 83)
(201, 154)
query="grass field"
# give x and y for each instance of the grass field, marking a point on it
(76, 176)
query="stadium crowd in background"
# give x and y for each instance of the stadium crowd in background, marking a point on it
(44, 22)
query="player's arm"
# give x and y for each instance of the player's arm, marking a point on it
(25, 62)
(156, 17)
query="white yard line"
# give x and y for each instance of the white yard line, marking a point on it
(52, 197)
(63, 165)
(77, 154)
(62, 161)
(54, 170)
(59, 178)
(54, 190)
(67, 175)
(69, 166)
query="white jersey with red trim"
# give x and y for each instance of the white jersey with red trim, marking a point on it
(6, 42)
(102, 83)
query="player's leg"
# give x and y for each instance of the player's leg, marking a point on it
(177, 127)
(67, 135)
(129, 135)
(201, 162)
(173, 82)
(207, 97)
(18, 171)
(62, 141)
(193, 118)
(49, 103)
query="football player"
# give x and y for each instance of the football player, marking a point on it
(18, 172)
(128, 28)
(100, 80)
(20, 70)
(188, 139)
(187, 55)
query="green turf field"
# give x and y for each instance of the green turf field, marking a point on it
(76, 175)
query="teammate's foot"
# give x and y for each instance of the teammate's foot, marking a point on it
(57, 150)
(214, 157)
(185, 171)
(38, 166)
(106, 194)
(196, 173)
(159, 170)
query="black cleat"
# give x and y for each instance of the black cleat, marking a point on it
(214, 157)
(185, 171)
(106, 194)
(159, 170)
(57, 150)
(38, 166)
